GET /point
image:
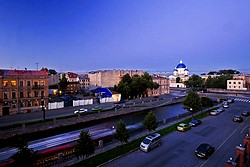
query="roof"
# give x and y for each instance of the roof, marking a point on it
(181, 65)
(23, 73)
(103, 92)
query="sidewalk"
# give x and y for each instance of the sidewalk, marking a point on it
(105, 148)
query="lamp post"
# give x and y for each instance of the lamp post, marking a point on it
(191, 110)
(43, 109)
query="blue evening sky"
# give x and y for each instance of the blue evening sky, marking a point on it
(85, 35)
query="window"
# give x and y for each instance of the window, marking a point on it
(5, 95)
(13, 95)
(21, 94)
(42, 83)
(36, 93)
(234, 82)
(229, 82)
(21, 83)
(36, 83)
(13, 105)
(239, 86)
(13, 83)
(22, 104)
(29, 103)
(5, 83)
(42, 93)
(238, 82)
(28, 83)
(29, 94)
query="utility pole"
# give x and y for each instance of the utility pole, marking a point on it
(43, 109)
(37, 66)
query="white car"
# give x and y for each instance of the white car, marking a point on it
(81, 110)
(215, 112)
(225, 105)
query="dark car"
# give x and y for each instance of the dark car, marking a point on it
(195, 122)
(237, 118)
(204, 150)
(245, 113)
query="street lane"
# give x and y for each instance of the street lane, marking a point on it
(178, 147)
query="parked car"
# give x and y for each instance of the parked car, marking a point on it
(81, 110)
(195, 122)
(150, 142)
(245, 113)
(237, 118)
(215, 112)
(97, 108)
(204, 150)
(230, 100)
(183, 127)
(225, 105)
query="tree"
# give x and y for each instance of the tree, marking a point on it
(194, 81)
(122, 133)
(150, 121)
(192, 102)
(52, 71)
(63, 83)
(85, 146)
(25, 156)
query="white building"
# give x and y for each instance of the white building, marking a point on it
(236, 84)
(180, 74)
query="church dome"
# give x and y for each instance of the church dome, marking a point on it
(181, 65)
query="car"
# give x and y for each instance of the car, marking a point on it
(150, 142)
(245, 113)
(81, 110)
(117, 106)
(183, 127)
(195, 122)
(237, 118)
(204, 150)
(230, 100)
(225, 105)
(215, 112)
(97, 108)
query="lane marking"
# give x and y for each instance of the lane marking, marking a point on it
(219, 147)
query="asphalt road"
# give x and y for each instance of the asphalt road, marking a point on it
(177, 148)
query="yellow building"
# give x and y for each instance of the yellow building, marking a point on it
(23, 91)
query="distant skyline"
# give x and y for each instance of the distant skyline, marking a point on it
(89, 35)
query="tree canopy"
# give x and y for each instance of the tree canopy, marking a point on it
(122, 133)
(192, 101)
(63, 83)
(25, 156)
(150, 121)
(85, 146)
(194, 81)
(136, 85)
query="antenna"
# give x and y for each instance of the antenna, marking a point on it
(37, 66)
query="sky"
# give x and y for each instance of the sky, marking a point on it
(89, 35)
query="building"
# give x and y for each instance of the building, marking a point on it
(239, 82)
(110, 78)
(163, 82)
(180, 75)
(23, 91)
(84, 81)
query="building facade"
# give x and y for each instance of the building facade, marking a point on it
(23, 91)
(110, 78)
(163, 82)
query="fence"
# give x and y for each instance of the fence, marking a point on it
(56, 105)
(82, 102)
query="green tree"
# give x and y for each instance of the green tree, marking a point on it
(192, 102)
(206, 102)
(194, 81)
(24, 156)
(122, 133)
(63, 83)
(52, 71)
(85, 146)
(150, 121)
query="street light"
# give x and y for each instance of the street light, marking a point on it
(43, 109)
(191, 110)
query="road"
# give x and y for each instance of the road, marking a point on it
(177, 148)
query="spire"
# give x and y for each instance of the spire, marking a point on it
(180, 61)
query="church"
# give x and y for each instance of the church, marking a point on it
(180, 74)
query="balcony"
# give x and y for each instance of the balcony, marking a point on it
(38, 87)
